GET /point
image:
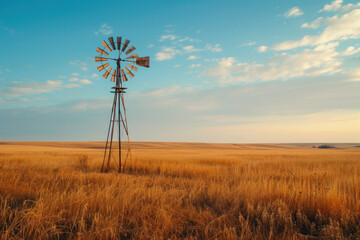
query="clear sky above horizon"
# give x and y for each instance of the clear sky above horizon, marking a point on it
(220, 71)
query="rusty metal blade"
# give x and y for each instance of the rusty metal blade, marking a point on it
(129, 72)
(99, 50)
(132, 56)
(132, 67)
(123, 75)
(100, 68)
(126, 43)
(106, 45)
(132, 48)
(106, 74)
(143, 61)
(100, 59)
(118, 42)
(111, 40)
(113, 76)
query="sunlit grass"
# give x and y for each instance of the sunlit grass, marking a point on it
(194, 191)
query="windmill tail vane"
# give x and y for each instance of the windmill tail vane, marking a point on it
(116, 61)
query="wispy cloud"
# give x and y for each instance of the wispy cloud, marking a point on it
(323, 59)
(16, 89)
(104, 29)
(334, 6)
(82, 81)
(338, 29)
(168, 37)
(293, 12)
(190, 49)
(248, 43)
(192, 57)
(166, 53)
(315, 24)
(195, 65)
(215, 48)
(82, 65)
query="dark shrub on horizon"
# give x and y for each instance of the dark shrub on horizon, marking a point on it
(325, 146)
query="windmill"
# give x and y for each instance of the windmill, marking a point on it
(118, 64)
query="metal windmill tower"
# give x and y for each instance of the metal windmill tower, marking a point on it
(117, 66)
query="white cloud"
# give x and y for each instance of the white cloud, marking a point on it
(176, 66)
(168, 37)
(192, 57)
(30, 88)
(195, 65)
(85, 81)
(75, 74)
(104, 29)
(350, 6)
(340, 28)
(94, 75)
(82, 81)
(167, 53)
(354, 74)
(73, 79)
(248, 44)
(350, 51)
(309, 62)
(315, 24)
(337, 6)
(165, 91)
(71, 85)
(215, 48)
(189, 39)
(82, 65)
(150, 45)
(262, 49)
(334, 6)
(190, 49)
(293, 12)
(22, 100)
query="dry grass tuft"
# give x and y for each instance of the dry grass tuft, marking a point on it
(179, 191)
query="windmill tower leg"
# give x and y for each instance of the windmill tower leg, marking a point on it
(106, 164)
(119, 125)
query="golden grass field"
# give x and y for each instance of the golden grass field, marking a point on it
(54, 190)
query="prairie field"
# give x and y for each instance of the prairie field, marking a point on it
(55, 190)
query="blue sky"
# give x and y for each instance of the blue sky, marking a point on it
(220, 71)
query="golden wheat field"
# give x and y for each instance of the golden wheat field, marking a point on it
(54, 190)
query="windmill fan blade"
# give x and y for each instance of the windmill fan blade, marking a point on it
(132, 56)
(106, 74)
(100, 59)
(111, 40)
(123, 76)
(130, 73)
(126, 43)
(100, 68)
(143, 61)
(106, 45)
(113, 76)
(132, 67)
(132, 48)
(99, 50)
(118, 42)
